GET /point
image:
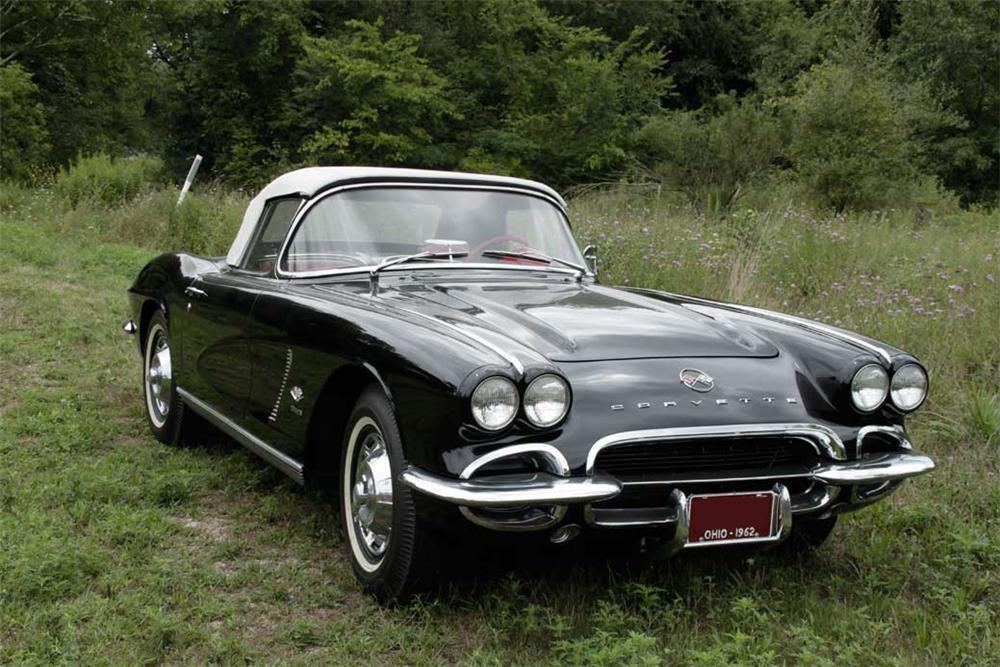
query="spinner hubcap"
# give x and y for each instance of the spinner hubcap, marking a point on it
(371, 496)
(159, 378)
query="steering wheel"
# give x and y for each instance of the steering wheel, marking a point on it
(496, 239)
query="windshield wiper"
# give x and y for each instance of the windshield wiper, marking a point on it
(537, 256)
(393, 261)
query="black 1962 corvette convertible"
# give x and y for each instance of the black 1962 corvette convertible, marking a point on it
(436, 347)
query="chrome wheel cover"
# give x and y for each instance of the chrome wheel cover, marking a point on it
(158, 376)
(368, 493)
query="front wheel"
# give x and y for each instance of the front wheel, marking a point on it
(388, 545)
(166, 414)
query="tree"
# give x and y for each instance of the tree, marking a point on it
(532, 95)
(850, 145)
(88, 61)
(361, 98)
(863, 99)
(580, 105)
(861, 130)
(954, 44)
(227, 69)
(541, 97)
(709, 44)
(23, 138)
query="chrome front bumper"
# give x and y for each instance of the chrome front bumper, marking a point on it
(873, 469)
(504, 491)
(540, 488)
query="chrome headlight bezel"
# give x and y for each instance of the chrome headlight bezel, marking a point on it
(867, 373)
(546, 382)
(898, 377)
(494, 383)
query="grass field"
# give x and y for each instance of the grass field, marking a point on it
(117, 549)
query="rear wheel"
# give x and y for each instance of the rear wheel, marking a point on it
(388, 545)
(166, 414)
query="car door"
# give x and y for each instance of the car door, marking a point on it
(285, 375)
(273, 412)
(216, 355)
(217, 351)
(269, 358)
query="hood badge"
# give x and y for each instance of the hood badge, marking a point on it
(699, 381)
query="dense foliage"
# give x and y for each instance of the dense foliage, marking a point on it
(857, 104)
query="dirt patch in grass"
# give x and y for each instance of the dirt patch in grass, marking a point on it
(214, 528)
(13, 315)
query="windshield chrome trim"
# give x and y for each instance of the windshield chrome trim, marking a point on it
(304, 210)
(432, 265)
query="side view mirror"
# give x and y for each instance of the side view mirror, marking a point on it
(590, 257)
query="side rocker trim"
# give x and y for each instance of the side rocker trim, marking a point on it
(279, 460)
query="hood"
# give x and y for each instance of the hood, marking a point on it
(567, 321)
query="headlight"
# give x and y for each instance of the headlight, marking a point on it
(494, 403)
(909, 387)
(869, 387)
(546, 400)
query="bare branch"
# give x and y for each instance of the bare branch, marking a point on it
(64, 12)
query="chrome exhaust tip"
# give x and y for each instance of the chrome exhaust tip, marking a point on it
(564, 533)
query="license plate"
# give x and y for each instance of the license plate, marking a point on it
(730, 518)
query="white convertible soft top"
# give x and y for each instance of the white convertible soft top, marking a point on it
(307, 182)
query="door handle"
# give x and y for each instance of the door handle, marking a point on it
(194, 291)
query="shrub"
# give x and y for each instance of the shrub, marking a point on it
(710, 157)
(106, 180)
(850, 143)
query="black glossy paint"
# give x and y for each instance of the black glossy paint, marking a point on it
(215, 357)
(251, 338)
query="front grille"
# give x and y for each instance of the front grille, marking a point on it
(665, 460)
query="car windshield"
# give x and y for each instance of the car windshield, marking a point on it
(364, 227)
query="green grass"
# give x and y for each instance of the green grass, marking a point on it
(116, 549)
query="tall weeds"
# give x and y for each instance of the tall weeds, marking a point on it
(105, 180)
